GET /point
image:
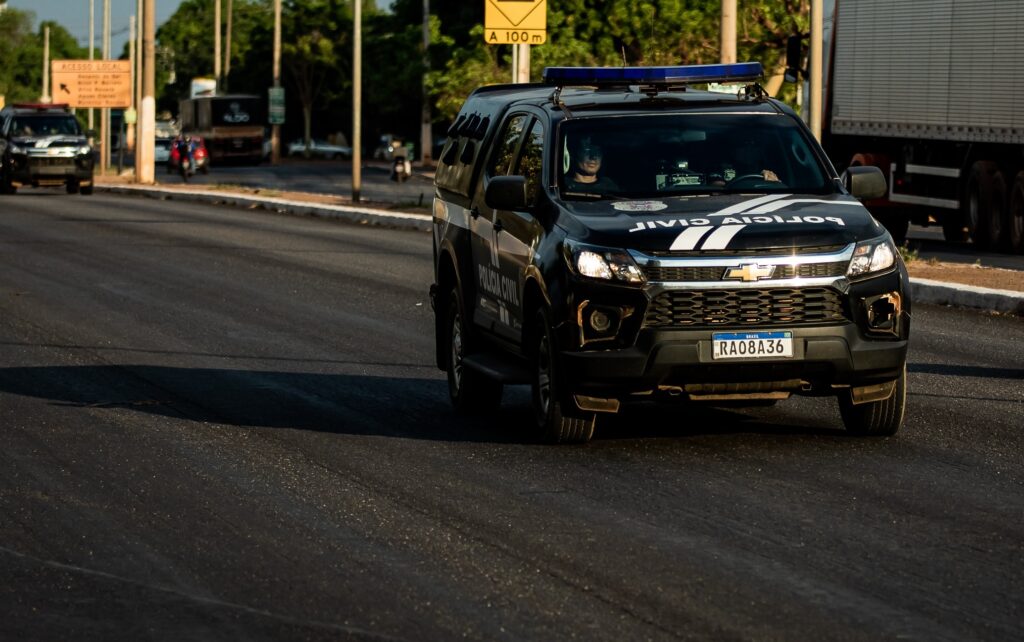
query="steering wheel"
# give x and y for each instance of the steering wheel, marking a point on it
(748, 177)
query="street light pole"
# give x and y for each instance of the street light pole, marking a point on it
(227, 46)
(275, 130)
(817, 34)
(46, 98)
(216, 45)
(728, 32)
(357, 99)
(92, 45)
(425, 129)
(147, 116)
(105, 112)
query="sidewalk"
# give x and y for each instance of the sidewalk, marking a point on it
(923, 290)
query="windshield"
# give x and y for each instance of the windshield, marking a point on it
(679, 154)
(45, 126)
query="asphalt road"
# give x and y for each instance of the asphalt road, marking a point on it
(220, 424)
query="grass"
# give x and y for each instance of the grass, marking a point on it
(909, 254)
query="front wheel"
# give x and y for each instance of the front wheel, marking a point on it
(558, 420)
(875, 418)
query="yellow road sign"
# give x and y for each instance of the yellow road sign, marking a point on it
(92, 83)
(515, 22)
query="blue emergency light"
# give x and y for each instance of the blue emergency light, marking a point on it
(609, 76)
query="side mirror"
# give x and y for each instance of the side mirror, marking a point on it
(506, 193)
(794, 56)
(865, 182)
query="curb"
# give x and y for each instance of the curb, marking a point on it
(966, 296)
(349, 213)
(921, 290)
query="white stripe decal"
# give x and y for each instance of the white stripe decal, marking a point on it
(754, 202)
(689, 238)
(719, 239)
(774, 207)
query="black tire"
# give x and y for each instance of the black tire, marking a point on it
(876, 418)
(954, 227)
(897, 223)
(977, 205)
(71, 187)
(1015, 215)
(469, 391)
(558, 419)
(6, 186)
(86, 190)
(997, 228)
(205, 169)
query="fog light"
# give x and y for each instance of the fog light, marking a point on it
(884, 312)
(599, 321)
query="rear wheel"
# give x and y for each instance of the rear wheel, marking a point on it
(1015, 215)
(6, 186)
(558, 418)
(875, 418)
(468, 390)
(978, 203)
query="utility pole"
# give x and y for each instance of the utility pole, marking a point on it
(46, 98)
(426, 137)
(137, 97)
(92, 45)
(105, 112)
(216, 45)
(523, 63)
(357, 99)
(817, 34)
(227, 46)
(130, 129)
(728, 43)
(145, 169)
(275, 130)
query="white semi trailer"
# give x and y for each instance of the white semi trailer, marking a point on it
(932, 92)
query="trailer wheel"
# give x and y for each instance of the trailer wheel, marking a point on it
(978, 203)
(954, 227)
(1015, 215)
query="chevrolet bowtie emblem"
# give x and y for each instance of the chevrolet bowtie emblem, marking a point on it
(750, 272)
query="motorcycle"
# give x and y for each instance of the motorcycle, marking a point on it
(186, 159)
(401, 169)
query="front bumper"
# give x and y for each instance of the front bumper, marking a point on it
(35, 170)
(846, 352)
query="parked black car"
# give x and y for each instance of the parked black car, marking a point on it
(43, 144)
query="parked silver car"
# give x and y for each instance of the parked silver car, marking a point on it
(319, 149)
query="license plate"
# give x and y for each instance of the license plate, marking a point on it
(752, 345)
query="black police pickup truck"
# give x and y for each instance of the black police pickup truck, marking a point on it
(42, 144)
(614, 235)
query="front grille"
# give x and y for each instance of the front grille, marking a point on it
(745, 307)
(717, 272)
(50, 161)
(764, 251)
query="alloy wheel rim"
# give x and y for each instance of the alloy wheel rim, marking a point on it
(456, 356)
(543, 377)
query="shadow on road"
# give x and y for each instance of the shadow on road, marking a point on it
(356, 404)
(957, 370)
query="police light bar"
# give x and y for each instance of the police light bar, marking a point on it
(689, 74)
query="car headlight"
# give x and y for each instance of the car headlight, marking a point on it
(872, 256)
(84, 150)
(603, 263)
(15, 149)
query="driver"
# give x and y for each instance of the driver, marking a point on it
(586, 157)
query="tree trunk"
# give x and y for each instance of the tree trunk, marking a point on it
(307, 117)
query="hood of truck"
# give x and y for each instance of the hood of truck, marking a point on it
(728, 223)
(48, 142)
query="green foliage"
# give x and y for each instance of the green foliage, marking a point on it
(22, 78)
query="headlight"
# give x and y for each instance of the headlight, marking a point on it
(871, 257)
(85, 150)
(17, 150)
(603, 263)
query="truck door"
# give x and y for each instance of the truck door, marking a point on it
(518, 233)
(495, 290)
